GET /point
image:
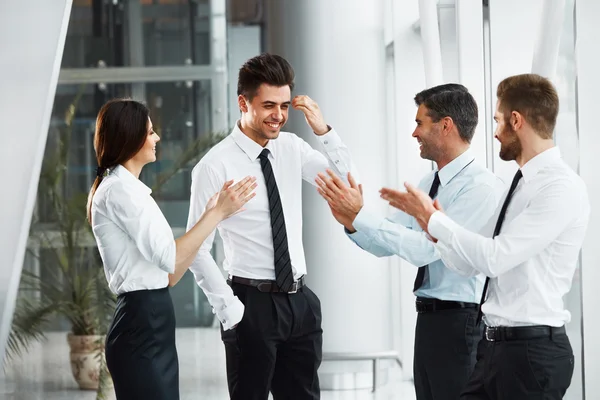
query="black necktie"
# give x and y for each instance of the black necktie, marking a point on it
(283, 264)
(513, 186)
(421, 273)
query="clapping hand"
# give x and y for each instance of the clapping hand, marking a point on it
(231, 198)
(414, 202)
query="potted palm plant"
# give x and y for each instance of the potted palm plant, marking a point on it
(70, 280)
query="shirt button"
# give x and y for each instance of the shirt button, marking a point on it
(224, 322)
(326, 142)
(337, 161)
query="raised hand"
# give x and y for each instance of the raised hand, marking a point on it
(312, 114)
(414, 202)
(231, 198)
(344, 201)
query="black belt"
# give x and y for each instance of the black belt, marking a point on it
(500, 333)
(266, 285)
(425, 304)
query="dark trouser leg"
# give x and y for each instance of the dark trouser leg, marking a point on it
(251, 348)
(535, 369)
(299, 358)
(475, 389)
(445, 349)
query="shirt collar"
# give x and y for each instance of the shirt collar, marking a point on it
(123, 173)
(249, 146)
(539, 162)
(455, 166)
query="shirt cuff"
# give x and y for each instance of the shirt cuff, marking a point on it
(366, 221)
(331, 140)
(362, 223)
(441, 227)
(231, 315)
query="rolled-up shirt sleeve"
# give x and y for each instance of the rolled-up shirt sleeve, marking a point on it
(143, 221)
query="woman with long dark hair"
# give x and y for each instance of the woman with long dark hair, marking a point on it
(140, 254)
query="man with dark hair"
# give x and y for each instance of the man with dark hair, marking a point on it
(446, 334)
(271, 321)
(528, 250)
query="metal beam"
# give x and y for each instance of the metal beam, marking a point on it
(70, 76)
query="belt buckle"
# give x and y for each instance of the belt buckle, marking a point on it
(487, 336)
(294, 288)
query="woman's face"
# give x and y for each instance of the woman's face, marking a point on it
(147, 153)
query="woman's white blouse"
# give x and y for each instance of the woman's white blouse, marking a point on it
(135, 240)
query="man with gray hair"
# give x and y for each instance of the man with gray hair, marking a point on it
(447, 303)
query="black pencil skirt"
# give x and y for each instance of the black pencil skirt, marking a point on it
(140, 347)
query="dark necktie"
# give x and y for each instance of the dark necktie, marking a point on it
(421, 273)
(513, 186)
(283, 264)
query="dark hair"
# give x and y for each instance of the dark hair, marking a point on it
(266, 68)
(451, 100)
(121, 131)
(534, 97)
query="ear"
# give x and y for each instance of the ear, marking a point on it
(242, 103)
(516, 120)
(447, 125)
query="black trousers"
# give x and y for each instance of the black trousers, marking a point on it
(445, 350)
(140, 347)
(534, 369)
(277, 346)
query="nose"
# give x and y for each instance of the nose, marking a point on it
(157, 138)
(414, 134)
(277, 114)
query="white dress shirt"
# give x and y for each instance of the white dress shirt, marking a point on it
(247, 236)
(532, 261)
(134, 239)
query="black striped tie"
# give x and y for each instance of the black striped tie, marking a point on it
(283, 264)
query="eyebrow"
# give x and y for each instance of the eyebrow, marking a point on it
(269, 102)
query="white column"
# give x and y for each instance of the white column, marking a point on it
(588, 87)
(545, 53)
(471, 68)
(508, 27)
(218, 60)
(337, 51)
(409, 79)
(430, 37)
(28, 80)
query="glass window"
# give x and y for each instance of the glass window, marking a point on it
(137, 33)
(175, 108)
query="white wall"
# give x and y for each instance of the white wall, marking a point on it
(409, 79)
(337, 51)
(243, 42)
(32, 41)
(514, 26)
(588, 87)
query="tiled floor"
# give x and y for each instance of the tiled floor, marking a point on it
(44, 373)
